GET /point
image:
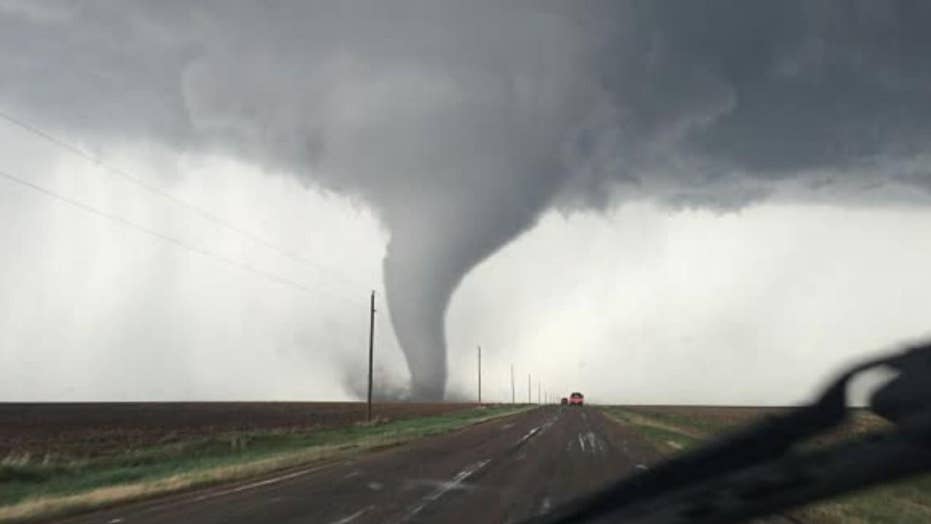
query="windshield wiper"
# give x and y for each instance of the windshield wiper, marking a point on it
(760, 470)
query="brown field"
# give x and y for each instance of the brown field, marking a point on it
(95, 429)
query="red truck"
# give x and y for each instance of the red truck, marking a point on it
(576, 399)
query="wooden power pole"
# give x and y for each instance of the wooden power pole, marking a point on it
(513, 392)
(371, 353)
(480, 375)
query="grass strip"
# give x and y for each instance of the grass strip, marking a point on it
(31, 490)
(666, 437)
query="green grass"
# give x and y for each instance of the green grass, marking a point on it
(703, 425)
(667, 440)
(664, 435)
(906, 502)
(25, 481)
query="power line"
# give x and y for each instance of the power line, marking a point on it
(160, 236)
(284, 281)
(163, 193)
(202, 213)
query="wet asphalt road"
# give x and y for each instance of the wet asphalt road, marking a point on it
(503, 470)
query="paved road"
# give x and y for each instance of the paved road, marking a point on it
(499, 471)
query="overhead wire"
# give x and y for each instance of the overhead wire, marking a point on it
(204, 214)
(164, 193)
(167, 195)
(160, 236)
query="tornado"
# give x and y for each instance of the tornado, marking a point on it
(418, 310)
(433, 247)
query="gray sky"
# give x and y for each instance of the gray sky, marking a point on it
(651, 205)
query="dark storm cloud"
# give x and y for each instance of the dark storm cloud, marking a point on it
(817, 85)
(461, 122)
(704, 92)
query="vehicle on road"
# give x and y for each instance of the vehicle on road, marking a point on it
(576, 399)
(564, 401)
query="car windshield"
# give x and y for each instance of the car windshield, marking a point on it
(358, 261)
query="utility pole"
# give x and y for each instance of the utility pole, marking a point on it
(371, 352)
(480, 375)
(529, 390)
(513, 395)
(539, 392)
